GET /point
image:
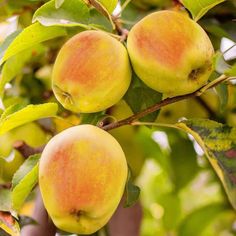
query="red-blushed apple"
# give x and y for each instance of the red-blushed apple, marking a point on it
(171, 53)
(91, 73)
(82, 176)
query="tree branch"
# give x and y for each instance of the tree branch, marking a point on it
(167, 101)
(25, 149)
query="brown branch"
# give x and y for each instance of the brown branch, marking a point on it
(141, 114)
(5, 186)
(165, 102)
(119, 29)
(25, 149)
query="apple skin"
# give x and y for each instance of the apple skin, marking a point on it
(125, 135)
(91, 72)
(82, 176)
(170, 52)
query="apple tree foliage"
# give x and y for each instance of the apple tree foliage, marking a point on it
(188, 180)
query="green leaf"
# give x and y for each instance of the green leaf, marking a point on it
(91, 118)
(150, 148)
(195, 223)
(14, 66)
(71, 13)
(132, 193)
(222, 91)
(172, 210)
(30, 36)
(5, 200)
(199, 8)
(231, 71)
(183, 159)
(219, 143)
(7, 42)
(140, 97)
(109, 5)
(14, 116)
(24, 181)
(58, 3)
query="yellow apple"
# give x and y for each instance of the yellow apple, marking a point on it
(82, 176)
(171, 53)
(91, 72)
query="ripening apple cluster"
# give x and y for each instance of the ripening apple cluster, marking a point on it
(83, 169)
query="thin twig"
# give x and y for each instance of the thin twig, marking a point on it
(26, 150)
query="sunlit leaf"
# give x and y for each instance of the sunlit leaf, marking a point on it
(15, 64)
(195, 223)
(58, 3)
(71, 13)
(7, 42)
(24, 181)
(5, 200)
(199, 8)
(14, 116)
(30, 36)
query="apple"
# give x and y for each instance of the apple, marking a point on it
(171, 53)
(91, 72)
(82, 176)
(125, 135)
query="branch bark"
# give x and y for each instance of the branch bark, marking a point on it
(165, 102)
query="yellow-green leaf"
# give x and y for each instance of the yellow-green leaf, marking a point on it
(199, 8)
(24, 181)
(14, 116)
(30, 36)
